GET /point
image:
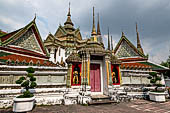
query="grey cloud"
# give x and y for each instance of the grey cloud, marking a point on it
(119, 15)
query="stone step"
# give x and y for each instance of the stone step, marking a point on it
(101, 102)
(100, 99)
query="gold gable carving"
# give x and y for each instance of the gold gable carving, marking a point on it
(59, 33)
(125, 50)
(28, 41)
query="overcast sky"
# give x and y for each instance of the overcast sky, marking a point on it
(152, 16)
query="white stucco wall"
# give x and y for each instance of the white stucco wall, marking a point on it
(60, 53)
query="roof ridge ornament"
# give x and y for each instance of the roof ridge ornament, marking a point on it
(123, 35)
(35, 17)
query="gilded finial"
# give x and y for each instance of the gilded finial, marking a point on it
(69, 14)
(123, 34)
(93, 29)
(108, 40)
(35, 17)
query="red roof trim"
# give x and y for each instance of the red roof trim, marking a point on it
(7, 36)
(134, 65)
(133, 59)
(38, 39)
(23, 51)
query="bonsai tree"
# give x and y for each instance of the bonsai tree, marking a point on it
(155, 80)
(27, 82)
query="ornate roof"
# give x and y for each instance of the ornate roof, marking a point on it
(93, 47)
(68, 29)
(74, 57)
(20, 37)
(125, 48)
(115, 60)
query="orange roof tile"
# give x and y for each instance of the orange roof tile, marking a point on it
(134, 65)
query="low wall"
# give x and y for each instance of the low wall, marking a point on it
(135, 80)
(45, 76)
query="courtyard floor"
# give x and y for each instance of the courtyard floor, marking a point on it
(136, 106)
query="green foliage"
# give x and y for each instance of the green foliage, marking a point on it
(30, 70)
(154, 78)
(19, 81)
(166, 64)
(32, 79)
(26, 94)
(159, 85)
(33, 84)
(27, 82)
(158, 78)
(153, 74)
(30, 75)
(22, 78)
(153, 81)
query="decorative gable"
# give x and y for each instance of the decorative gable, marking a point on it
(125, 50)
(59, 32)
(28, 41)
(78, 35)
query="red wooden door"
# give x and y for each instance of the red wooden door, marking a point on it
(95, 79)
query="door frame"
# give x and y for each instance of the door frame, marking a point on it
(101, 75)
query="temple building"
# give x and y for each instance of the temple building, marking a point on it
(67, 59)
(91, 65)
(135, 65)
(23, 48)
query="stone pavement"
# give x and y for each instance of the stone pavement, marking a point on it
(136, 106)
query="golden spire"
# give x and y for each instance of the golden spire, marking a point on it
(93, 29)
(139, 47)
(108, 40)
(68, 21)
(69, 10)
(98, 27)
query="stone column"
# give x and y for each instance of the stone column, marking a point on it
(88, 69)
(69, 75)
(106, 75)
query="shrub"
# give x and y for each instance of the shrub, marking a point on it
(28, 82)
(154, 79)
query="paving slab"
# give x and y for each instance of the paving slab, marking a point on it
(137, 106)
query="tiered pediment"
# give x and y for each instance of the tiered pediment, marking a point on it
(28, 41)
(125, 50)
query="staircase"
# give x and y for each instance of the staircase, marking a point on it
(100, 99)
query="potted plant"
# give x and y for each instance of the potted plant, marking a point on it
(158, 93)
(25, 102)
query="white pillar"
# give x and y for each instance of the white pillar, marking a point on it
(52, 55)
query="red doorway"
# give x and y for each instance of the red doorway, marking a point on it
(95, 78)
